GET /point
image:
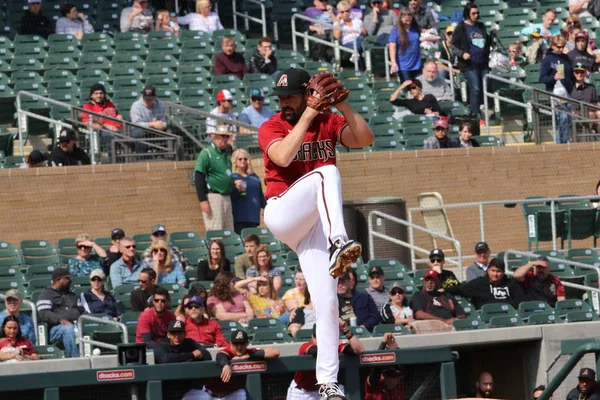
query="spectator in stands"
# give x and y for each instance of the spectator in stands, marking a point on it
(13, 345)
(396, 310)
(153, 321)
(137, 18)
(203, 19)
(114, 251)
(214, 183)
(377, 289)
(263, 266)
(354, 305)
(176, 348)
(465, 136)
(303, 317)
(446, 54)
(66, 152)
(247, 197)
(35, 159)
(256, 113)
(225, 303)
(139, 297)
(436, 262)
(265, 303)
(72, 22)
(13, 300)
(579, 8)
(59, 308)
(484, 386)
(158, 233)
(355, 11)
(537, 48)
(538, 283)
(324, 14)
(222, 110)
(546, 28)
(147, 112)
(433, 84)
(229, 62)
(537, 392)
(232, 386)
(168, 270)
(580, 54)
(126, 270)
(433, 304)
(85, 262)
(263, 61)
(440, 139)
(482, 259)
(425, 17)
(305, 385)
(294, 297)
(347, 27)
(97, 300)
(34, 22)
(164, 23)
(471, 44)
(387, 5)
(101, 105)
(495, 287)
(380, 22)
(514, 54)
(404, 47)
(217, 262)
(420, 103)
(245, 261)
(385, 383)
(587, 388)
(586, 92)
(199, 328)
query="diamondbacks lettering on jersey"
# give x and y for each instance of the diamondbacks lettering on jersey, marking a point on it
(316, 150)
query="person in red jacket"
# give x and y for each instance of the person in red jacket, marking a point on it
(100, 104)
(204, 331)
(153, 321)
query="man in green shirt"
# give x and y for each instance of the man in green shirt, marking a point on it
(214, 183)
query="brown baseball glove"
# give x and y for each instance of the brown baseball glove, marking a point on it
(325, 91)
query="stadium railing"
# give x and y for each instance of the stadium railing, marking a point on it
(262, 21)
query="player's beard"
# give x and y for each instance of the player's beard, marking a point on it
(292, 115)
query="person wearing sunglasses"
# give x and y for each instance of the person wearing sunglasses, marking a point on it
(126, 270)
(436, 262)
(396, 310)
(585, 92)
(154, 320)
(256, 113)
(247, 197)
(168, 270)
(86, 261)
(419, 103)
(201, 329)
(538, 283)
(379, 22)
(97, 300)
(224, 111)
(139, 297)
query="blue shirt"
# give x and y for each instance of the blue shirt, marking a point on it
(26, 324)
(476, 45)
(175, 276)
(79, 267)
(120, 274)
(252, 117)
(246, 207)
(408, 59)
(92, 304)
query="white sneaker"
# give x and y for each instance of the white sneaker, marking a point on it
(331, 391)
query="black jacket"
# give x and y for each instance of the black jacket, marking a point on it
(165, 353)
(460, 44)
(54, 306)
(59, 158)
(32, 24)
(481, 291)
(258, 64)
(575, 393)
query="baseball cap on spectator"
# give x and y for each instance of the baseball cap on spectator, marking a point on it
(176, 326)
(581, 35)
(223, 130)
(36, 157)
(291, 81)
(376, 271)
(66, 135)
(344, 277)
(149, 92)
(13, 294)
(59, 273)
(97, 273)
(224, 95)
(481, 246)
(431, 274)
(579, 67)
(257, 93)
(450, 28)
(498, 263)
(436, 254)
(196, 300)
(587, 373)
(397, 288)
(239, 337)
(441, 123)
(97, 86)
(117, 234)
(535, 33)
(156, 228)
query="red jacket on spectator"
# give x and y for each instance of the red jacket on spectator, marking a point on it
(150, 322)
(108, 109)
(208, 332)
(233, 64)
(23, 343)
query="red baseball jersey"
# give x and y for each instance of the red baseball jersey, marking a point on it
(208, 332)
(150, 322)
(307, 380)
(237, 381)
(317, 149)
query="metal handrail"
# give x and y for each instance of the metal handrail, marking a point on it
(411, 246)
(83, 340)
(247, 18)
(335, 45)
(34, 317)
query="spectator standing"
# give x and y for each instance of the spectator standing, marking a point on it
(433, 304)
(348, 28)
(264, 60)
(114, 251)
(139, 297)
(137, 18)
(303, 317)
(538, 283)
(147, 112)
(440, 139)
(176, 348)
(216, 262)
(201, 329)
(223, 110)
(465, 139)
(247, 197)
(225, 303)
(13, 345)
(97, 300)
(126, 270)
(13, 300)
(66, 152)
(379, 22)
(436, 262)
(471, 44)
(420, 103)
(59, 308)
(579, 8)
(355, 305)
(35, 159)
(586, 388)
(73, 22)
(167, 269)
(433, 84)
(482, 259)
(256, 113)
(424, 17)
(404, 47)
(158, 233)
(584, 91)
(580, 54)
(153, 321)
(203, 19)
(101, 105)
(385, 383)
(229, 62)
(263, 266)
(245, 261)
(214, 184)
(294, 297)
(34, 22)
(447, 54)
(377, 289)
(85, 262)
(396, 310)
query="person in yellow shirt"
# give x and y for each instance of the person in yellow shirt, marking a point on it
(265, 303)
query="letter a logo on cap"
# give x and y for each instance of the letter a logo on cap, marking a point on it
(239, 336)
(177, 324)
(283, 81)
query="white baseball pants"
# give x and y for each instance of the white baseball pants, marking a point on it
(308, 218)
(295, 393)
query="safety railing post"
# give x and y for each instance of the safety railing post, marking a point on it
(486, 104)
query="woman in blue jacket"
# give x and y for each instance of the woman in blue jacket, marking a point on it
(247, 197)
(98, 301)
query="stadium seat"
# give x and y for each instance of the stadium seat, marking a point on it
(132, 47)
(581, 224)
(220, 234)
(379, 330)
(580, 316)
(187, 240)
(504, 321)
(563, 307)
(197, 255)
(303, 335)
(271, 336)
(467, 324)
(489, 311)
(97, 37)
(171, 287)
(261, 323)
(39, 271)
(124, 289)
(542, 318)
(128, 61)
(263, 234)
(49, 352)
(39, 252)
(130, 319)
(39, 283)
(229, 326)
(528, 308)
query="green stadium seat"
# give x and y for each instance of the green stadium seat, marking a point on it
(96, 37)
(159, 71)
(238, 37)
(29, 39)
(504, 321)
(39, 283)
(143, 240)
(124, 289)
(58, 39)
(379, 330)
(39, 252)
(563, 307)
(271, 336)
(164, 47)
(37, 271)
(31, 50)
(529, 308)
(61, 61)
(128, 61)
(137, 48)
(514, 260)
(50, 75)
(585, 256)
(162, 82)
(542, 318)
(121, 37)
(467, 324)
(29, 64)
(193, 70)
(304, 335)
(187, 240)
(195, 256)
(580, 316)
(489, 311)
(196, 59)
(262, 323)
(164, 60)
(6, 54)
(314, 67)
(130, 319)
(162, 35)
(487, 141)
(49, 352)
(264, 235)
(229, 326)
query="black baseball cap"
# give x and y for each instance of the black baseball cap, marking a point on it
(36, 157)
(239, 336)
(291, 81)
(481, 246)
(176, 326)
(376, 271)
(149, 92)
(436, 254)
(117, 234)
(66, 135)
(60, 273)
(587, 373)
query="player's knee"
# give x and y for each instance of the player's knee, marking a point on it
(329, 171)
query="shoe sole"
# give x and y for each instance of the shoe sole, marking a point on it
(345, 259)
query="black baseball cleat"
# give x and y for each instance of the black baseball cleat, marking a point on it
(342, 256)
(331, 391)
